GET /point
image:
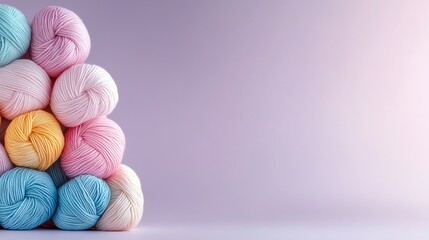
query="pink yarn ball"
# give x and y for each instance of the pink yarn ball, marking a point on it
(83, 92)
(59, 40)
(125, 208)
(24, 87)
(95, 147)
(5, 163)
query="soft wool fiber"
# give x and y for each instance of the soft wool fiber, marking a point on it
(95, 147)
(56, 142)
(82, 201)
(57, 174)
(82, 93)
(3, 126)
(34, 140)
(5, 164)
(15, 34)
(59, 41)
(24, 87)
(125, 208)
(28, 198)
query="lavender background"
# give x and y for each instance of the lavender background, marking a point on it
(268, 112)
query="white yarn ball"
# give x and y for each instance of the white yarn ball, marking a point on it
(125, 208)
(83, 92)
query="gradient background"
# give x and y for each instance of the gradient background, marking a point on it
(267, 113)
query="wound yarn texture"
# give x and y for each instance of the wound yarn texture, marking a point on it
(15, 34)
(59, 40)
(95, 147)
(82, 93)
(28, 198)
(82, 201)
(34, 140)
(24, 87)
(60, 153)
(125, 208)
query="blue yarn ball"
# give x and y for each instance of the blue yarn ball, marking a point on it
(15, 34)
(28, 198)
(82, 201)
(57, 174)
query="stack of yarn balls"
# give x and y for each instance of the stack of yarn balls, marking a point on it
(60, 156)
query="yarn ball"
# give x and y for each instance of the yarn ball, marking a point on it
(34, 140)
(59, 40)
(3, 126)
(83, 92)
(5, 164)
(82, 201)
(125, 208)
(57, 174)
(28, 198)
(24, 87)
(95, 147)
(15, 34)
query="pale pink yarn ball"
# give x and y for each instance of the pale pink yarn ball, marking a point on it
(59, 40)
(5, 163)
(83, 92)
(125, 208)
(24, 87)
(95, 147)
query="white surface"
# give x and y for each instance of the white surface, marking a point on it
(295, 231)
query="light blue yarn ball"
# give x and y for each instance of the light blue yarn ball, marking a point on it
(15, 34)
(81, 202)
(57, 174)
(28, 198)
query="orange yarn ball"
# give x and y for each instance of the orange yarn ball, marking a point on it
(34, 140)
